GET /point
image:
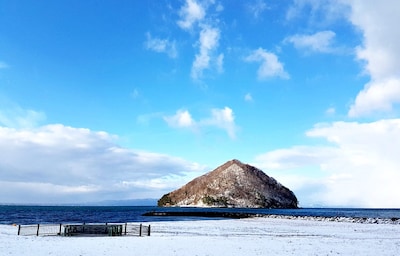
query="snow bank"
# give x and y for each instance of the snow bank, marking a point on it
(258, 236)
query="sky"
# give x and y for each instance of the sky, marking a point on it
(117, 100)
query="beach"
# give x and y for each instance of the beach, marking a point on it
(252, 236)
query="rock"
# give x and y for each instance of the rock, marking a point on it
(233, 184)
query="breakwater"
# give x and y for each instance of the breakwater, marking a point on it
(205, 214)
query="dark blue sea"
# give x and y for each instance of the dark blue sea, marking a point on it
(12, 214)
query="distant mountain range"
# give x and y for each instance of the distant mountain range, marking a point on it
(131, 202)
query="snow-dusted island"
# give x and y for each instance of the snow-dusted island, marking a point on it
(257, 236)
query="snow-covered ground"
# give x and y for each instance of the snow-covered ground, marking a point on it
(258, 236)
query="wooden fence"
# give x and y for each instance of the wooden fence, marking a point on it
(89, 229)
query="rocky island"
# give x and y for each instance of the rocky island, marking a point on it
(232, 184)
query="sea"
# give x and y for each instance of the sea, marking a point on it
(23, 215)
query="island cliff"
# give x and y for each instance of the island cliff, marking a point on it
(232, 184)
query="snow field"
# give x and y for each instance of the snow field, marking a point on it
(257, 236)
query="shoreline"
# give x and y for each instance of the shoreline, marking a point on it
(240, 215)
(362, 220)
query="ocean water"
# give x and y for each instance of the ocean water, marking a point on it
(13, 214)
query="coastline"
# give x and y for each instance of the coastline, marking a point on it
(361, 220)
(243, 215)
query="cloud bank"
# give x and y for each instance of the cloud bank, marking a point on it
(358, 167)
(380, 53)
(61, 164)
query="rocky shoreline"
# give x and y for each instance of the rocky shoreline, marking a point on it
(395, 221)
(239, 215)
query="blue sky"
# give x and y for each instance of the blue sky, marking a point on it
(105, 100)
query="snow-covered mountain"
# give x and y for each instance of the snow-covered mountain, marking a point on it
(233, 184)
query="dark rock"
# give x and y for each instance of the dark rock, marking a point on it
(231, 215)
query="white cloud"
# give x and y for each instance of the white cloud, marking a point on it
(191, 13)
(161, 45)
(208, 42)
(319, 42)
(224, 119)
(182, 118)
(294, 157)
(59, 164)
(380, 49)
(380, 52)
(270, 65)
(377, 95)
(193, 17)
(220, 118)
(164, 183)
(359, 167)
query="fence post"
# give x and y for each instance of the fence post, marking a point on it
(59, 232)
(126, 224)
(148, 231)
(140, 230)
(37, 232)
(19, 229)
